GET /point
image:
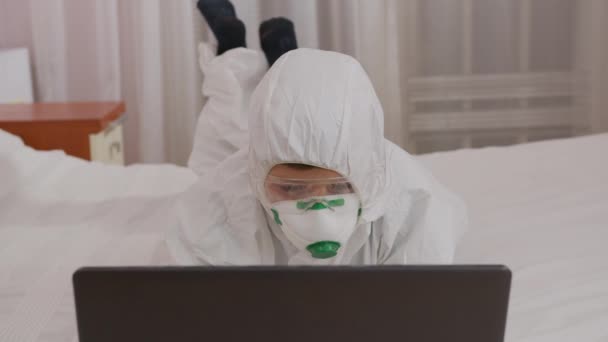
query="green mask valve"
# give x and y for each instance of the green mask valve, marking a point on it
(323, 249)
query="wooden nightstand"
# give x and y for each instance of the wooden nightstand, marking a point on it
(88, 130)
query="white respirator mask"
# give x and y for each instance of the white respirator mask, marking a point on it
(316, 216)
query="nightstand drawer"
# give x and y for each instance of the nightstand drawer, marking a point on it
(107, 146)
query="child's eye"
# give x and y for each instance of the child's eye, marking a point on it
(293, 189)
(340, 188)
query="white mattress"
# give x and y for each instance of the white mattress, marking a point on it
(540, 208)
(58, 213)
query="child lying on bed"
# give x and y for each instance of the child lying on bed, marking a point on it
(315, 182)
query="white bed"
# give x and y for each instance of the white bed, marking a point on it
(59, 213)
(540, 208)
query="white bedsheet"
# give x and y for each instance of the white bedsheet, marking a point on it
(540, 208)
(59, 213)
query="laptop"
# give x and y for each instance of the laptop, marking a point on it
(292, 304)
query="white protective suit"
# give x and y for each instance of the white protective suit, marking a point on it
(319, 108)
(222, 125)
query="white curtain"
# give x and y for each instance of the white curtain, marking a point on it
(450, 73)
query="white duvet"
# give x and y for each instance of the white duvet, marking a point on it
(58, 213)
(540, 208)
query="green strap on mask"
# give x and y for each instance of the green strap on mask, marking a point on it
(275, 214)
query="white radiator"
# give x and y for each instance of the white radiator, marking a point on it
(478, 110)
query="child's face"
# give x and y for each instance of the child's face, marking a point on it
(311, 182)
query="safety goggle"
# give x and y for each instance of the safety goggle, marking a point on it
(283, 189)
